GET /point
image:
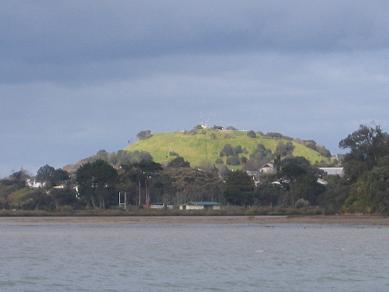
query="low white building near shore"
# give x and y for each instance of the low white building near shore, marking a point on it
(200, 206)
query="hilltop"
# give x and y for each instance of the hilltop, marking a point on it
(204, 145)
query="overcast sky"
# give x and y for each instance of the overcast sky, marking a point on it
(79, 76)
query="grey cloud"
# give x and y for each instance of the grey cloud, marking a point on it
(81, 38)
(78, 76)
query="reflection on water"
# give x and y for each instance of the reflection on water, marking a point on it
(204, 257)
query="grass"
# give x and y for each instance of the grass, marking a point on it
(225, 211)
(205, 145)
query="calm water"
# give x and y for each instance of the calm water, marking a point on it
(144, 257)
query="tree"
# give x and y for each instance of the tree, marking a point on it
(60, 176)
(239, 188)
(142, 135)
(96, 182)
(142, 173)
(284, 149)
(259, 157)
(178, 162)
(302, 178)
(45, 173)
(233, 160)
(51, 176)
(366, 146)
(188, 184)
(227, 150)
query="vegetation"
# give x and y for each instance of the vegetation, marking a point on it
(205, 145)
(294, 184)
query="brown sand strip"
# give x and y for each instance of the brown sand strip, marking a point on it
(343, 219)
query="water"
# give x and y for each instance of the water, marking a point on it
(193, 257)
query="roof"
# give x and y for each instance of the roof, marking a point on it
(333, 170)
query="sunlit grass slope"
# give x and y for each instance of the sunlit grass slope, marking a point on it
(205, 145)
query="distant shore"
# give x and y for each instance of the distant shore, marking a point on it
(93, 220)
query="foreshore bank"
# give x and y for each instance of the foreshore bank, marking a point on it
(97, 220)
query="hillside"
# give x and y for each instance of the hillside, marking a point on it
(204, 145)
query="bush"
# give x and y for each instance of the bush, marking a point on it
(233, 160)
(301, 203)
(142, 135)
(251, 134)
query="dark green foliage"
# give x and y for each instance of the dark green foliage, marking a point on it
(178, 162)
(365, 187)
(268, 195)
(239, 189)
(333, 199)
(302, 179)
(284, 149)
(121, 157)
(251, 134)
(51, 176)
(227, 150)
(187, 184)
(45, 173)
(233, 160)
(219, 161)
(142, 175)
(274, 135)
(366, 146)
(65, 197)
(259, 157)
(96, 183)
(314, 146)
(142, 135)
(37, 200)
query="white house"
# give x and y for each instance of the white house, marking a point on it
(268, 168)
(33, 183)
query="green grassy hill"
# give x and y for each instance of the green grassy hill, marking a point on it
(204, 146)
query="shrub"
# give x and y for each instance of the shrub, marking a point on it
(233, 160)
(301, 203)
(142, 135)
(251, 134)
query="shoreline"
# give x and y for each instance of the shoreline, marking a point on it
(183, 220)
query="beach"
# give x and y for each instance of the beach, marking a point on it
(101, 220)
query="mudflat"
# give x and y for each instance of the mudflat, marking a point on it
(318, 219)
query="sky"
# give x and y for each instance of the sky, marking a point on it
(80, 76)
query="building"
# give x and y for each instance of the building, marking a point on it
(33, 183)
(161, 206)
(333, 171)
(200, 206)
(268, 168)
